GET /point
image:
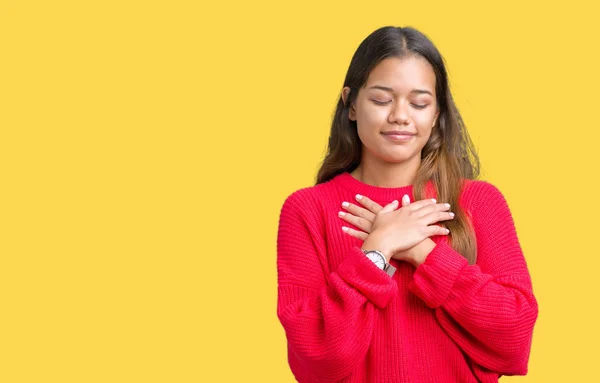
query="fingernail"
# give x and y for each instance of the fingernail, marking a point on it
(447, 231)
(447, 205)
(345, 204)
(406, 197)
(433, 199)
(341, 214)
(344, 228)
(451, 214)
(358, 197)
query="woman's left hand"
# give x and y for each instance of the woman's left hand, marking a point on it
(361, 217)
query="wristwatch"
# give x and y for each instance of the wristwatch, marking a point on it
(379, 260)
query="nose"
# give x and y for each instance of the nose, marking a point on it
(400, 112)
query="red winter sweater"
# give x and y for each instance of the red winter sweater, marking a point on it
(445, 321)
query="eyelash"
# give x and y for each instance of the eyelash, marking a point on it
(385, 103)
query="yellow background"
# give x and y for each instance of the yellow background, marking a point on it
(147, 147)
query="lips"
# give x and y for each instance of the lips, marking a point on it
(398, 133)
(399, 136)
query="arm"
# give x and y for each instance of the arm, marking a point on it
(488, 308)
(328, 317)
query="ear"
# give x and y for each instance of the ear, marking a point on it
(352, 113)
(437, 113)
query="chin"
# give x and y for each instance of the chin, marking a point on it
(398, 158)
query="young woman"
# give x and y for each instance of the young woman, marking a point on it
(398, 265)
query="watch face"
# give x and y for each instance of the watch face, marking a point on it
(377, 258)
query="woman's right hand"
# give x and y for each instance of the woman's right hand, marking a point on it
(393, 230)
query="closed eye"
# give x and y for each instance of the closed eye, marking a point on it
(381, 102)
(418, 106)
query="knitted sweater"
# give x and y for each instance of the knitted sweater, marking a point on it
(445, 321)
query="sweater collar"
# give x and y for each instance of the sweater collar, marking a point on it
(376, 193)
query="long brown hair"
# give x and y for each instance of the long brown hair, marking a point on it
(447, 158)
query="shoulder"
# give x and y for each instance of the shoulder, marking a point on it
(479, 190)
(483, 198)
(306, 202)
(304, 197)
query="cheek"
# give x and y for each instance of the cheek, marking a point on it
(424, 119)
(370, 118)
(424, 125)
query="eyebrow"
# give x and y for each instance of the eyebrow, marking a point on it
(418, 91)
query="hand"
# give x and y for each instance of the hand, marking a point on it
(418, 253)
(363, 219)
(360, 217)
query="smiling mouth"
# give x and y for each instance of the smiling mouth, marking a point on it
(398, 137)
(400, 132)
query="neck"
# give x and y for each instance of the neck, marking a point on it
(389, 175)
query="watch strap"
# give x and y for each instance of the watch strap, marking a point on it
(389, 269)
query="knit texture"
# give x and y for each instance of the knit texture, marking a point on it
(445, 321)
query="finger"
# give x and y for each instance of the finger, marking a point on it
(359, 211)
(432, 230)
(372, 206)
(359, 222)
(390, 206)
(437, 216)
(420, 204)
(405, 200)
(432, 208)
(355, 233)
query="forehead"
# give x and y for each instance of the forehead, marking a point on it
(403, 74)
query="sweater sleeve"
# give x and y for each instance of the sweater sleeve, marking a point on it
(488, 308)
(328, 317)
